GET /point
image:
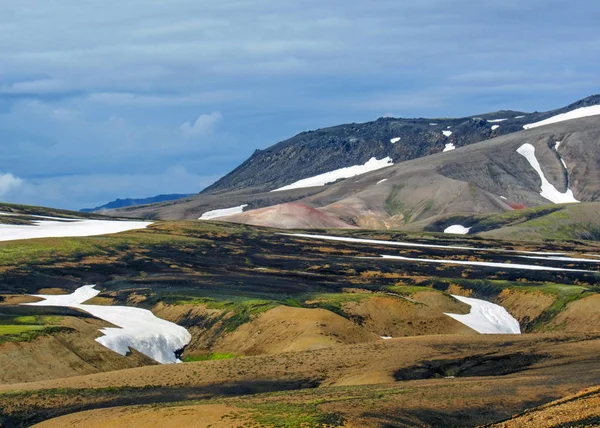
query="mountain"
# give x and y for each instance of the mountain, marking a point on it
(130, 202)
(425, 173)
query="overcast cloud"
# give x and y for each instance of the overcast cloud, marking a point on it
(106, 99)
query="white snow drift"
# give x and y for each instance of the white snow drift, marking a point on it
(449, 146)
(486, 317)
(395, 140)
(137, 328)
(67, 228)
(488, 264)
(496, 120)
(447, 133)
(570, 115)
(322, 179)
(412, 244)
(494, 127)
(209, 215)
(457, 229)
(548, 190)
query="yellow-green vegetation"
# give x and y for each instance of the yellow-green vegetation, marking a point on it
(408, 289)
(209, 357)
(287, 415)
(18, 329)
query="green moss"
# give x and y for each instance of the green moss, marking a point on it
(288, 415)
(209, 357)
(24, 333)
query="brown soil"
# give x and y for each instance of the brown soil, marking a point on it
(285, 329)
(525, 306)
(64, 354)
(420, 314)
(17, 299)
(580, 315)
(581, 410)
(354, 381)
(203, 416)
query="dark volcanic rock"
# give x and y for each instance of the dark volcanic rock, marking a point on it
(316, 152)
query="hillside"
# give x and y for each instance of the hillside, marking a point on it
(415, 182)
(130, 202)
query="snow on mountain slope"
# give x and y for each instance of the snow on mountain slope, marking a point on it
(322, 179)
(573, 114)
(63, 227)
(449, 147)
(548, 190)
(138, 329)
(222, 212)
(486, 317)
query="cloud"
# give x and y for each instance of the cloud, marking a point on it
(204, 124)
(9, 183)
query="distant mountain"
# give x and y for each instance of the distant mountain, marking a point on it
(428, 174)
(129, 202)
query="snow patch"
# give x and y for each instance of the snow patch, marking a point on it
(494, 127)
(386, 337)
(504, 197)
(209, 215)
(411, 244)
(139, 329)
(381, 181)
(395, 140)
(457, 229)
(519, 117)
(548, 190)
(447, 133)
(561, 259)
(573, 114)
(486, 317)
(496, 120)
(448, 147)
(488, 264)
(322, 179)
(433, 124)
(67, 228)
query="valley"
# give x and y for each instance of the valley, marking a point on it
(319, 314)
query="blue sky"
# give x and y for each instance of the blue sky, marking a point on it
(113, 98)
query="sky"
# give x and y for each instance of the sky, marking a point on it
(102, 99)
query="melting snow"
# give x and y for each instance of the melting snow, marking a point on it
(494, 127)
(496, 120)
(320, 180)
(457, 229)
(486, 317)
(447, 133)
(561, 259)
(519, 117)
(573, 114)
(67, 228)
(386, 337)
(433, 124)
(139, 329)
(548, 190)
(410, 244)
(448, 147)
(209, 215)
(504, 197)
(395, 140)
(488, 264)
(381, 181)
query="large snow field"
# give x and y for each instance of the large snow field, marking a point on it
(413, 244)
(209, 215)
(573, 114)
(548, 190)
(137, 328)
(486, 317)
(59, 228)
(322, 179)
(488, 264)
